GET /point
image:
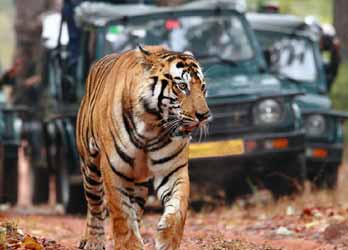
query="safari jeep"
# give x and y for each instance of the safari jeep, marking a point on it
(256, 135)
(10, 130)
(292, 47)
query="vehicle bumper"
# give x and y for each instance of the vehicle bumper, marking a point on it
(323, 153)
(261, 145)
(223, 167)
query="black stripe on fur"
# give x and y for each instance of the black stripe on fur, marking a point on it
(168, 158)
(166, 179)
(126, 158)
(119, 174)
(94, 169)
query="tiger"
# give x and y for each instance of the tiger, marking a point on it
(133, 131)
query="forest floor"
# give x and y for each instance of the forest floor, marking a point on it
(314, 220)
(314, 227)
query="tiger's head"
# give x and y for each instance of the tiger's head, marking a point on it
(175, 90)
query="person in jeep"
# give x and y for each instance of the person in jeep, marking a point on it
(75, 32)
(330, 43)
(24, 76)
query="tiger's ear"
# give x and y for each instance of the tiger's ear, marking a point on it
(144, 51)
(146, 57)
(187, 52)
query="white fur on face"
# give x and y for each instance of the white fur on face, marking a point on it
(158, 88)
(187, 79)
(200, 74)
(178, 72)
(175, 71)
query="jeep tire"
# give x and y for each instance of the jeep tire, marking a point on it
(10, 174)
(40, 184)
(324, 175)
(287, 176)
(69, 189)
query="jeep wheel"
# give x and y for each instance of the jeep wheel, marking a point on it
(287, 176)
(324, 175)
(40, 184)
(236, 187)
(69, 190)
(62, 177)
(10, 174)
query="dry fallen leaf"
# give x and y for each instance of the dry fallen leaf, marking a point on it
(31, 243)
(2, 235)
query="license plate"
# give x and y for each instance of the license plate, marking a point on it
(216, 149)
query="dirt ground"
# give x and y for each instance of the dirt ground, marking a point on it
(315, 220)
(286, 225)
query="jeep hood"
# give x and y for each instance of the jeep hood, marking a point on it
(242, 86)
(313, 102)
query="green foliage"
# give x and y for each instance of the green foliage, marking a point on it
(339, 92)
(6, 32)
(6, 4)
(322, 9)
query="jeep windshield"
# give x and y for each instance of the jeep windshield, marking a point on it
(292, 57)
(221, 38)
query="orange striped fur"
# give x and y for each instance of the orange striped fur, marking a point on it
(133, 130)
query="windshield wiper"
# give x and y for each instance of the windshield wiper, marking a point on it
(218, 58)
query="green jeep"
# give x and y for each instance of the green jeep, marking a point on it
(292, 47)
(10, 131)
(256, 135)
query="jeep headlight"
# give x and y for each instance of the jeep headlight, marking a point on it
(268, 111)
(315, 125)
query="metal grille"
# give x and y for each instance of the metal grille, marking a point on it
(230, 119)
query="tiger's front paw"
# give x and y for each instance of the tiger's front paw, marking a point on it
(92, 244)
(169, 231)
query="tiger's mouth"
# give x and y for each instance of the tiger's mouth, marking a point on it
(186, 130)
(184, 126)
(189, 128)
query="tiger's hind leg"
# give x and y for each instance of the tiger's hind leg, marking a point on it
(94, 237)
(120, 201)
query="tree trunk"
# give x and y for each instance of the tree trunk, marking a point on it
(341, 23)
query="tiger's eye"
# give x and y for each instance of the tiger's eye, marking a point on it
(182, 86)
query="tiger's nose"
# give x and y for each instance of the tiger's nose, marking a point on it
(203, 116)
